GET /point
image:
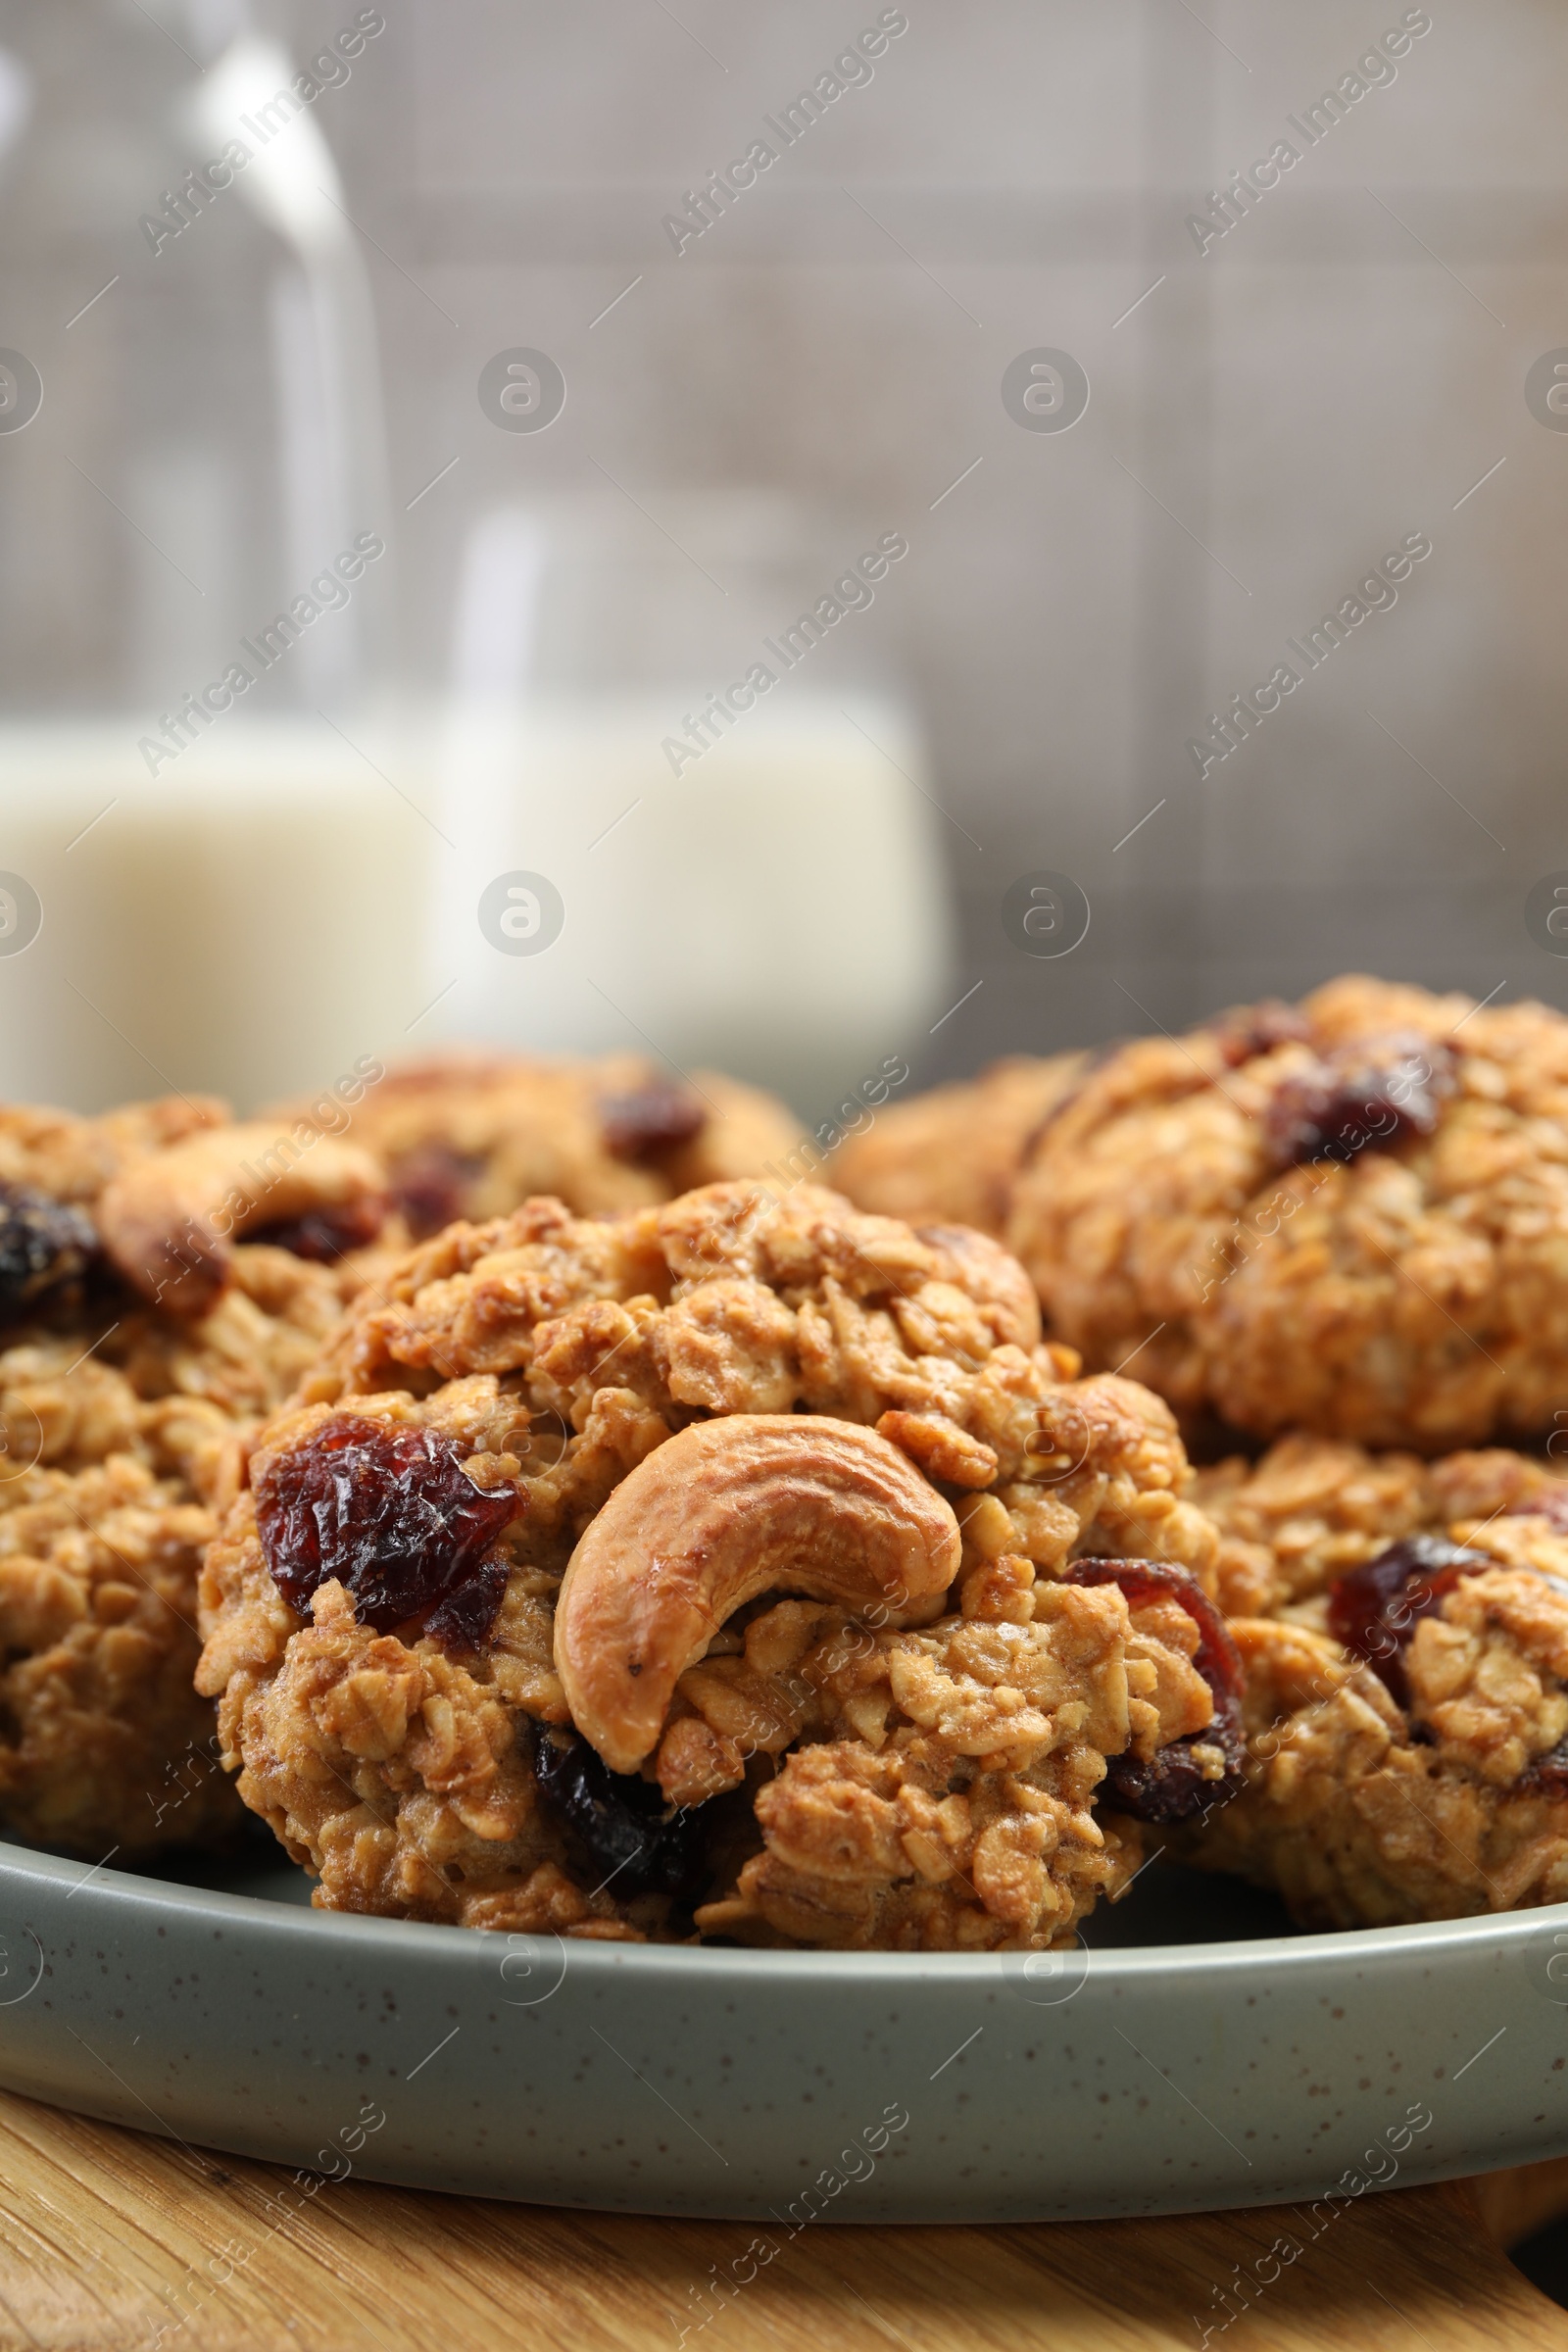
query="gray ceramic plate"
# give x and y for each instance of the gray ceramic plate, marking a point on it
(1158, 2071)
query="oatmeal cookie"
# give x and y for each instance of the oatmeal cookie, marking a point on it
(120, 1424)
(104, 1743)
(54, 1168)
(1364, 1809)
(943, 1792)
(496, 1624)
(954, 1153)
(1312, 1508)
(160, 1260)
(1350, 1217)
(69, 1158)
(1404, 1627)
(473, 1135)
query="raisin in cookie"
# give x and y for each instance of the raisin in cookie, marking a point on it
(1420, 1774)
(1350, 1217)
(473, 1135)
(1404, 1627)
(499, 1630)
(1312, 1508)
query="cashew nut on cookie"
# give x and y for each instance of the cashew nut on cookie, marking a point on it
(168, 1220)
(755, 1502)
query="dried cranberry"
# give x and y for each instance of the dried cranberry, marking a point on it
(1248, 1030)
(1172, 1786)
(1357, 1097)
(653, 1118)
(462, 1621)
(619, 1824)
(391, 1513)
(326, 1233)
(1548, 1774)
(43, 1242)
(430, 1186)
(1374, 1609)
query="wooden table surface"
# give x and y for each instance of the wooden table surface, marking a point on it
(111, 2240)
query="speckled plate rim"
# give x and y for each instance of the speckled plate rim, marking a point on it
(1310, 1951)
(1303, 2049)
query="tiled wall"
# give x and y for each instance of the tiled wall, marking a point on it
(1334, 373)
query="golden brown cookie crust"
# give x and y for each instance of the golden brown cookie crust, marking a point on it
(1357, 1822)
(1313, 1507)
(952, 1154)
(558, 1353)
(105, 1743)
(1360, 1808)
(71, 1158)
(122, 1426)
(1416, 1295)
(472, 1135)
(945, 1799)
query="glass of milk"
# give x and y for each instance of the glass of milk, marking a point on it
(687, 804)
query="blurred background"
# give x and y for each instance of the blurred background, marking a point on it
(980, 371)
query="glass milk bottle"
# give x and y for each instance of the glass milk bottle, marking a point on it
(209, 875)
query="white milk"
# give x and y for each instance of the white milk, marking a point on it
(777, 909)
(248, 922)
(270, 907)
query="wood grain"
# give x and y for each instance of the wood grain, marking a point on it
(1514, 2204)
(111, 2241)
